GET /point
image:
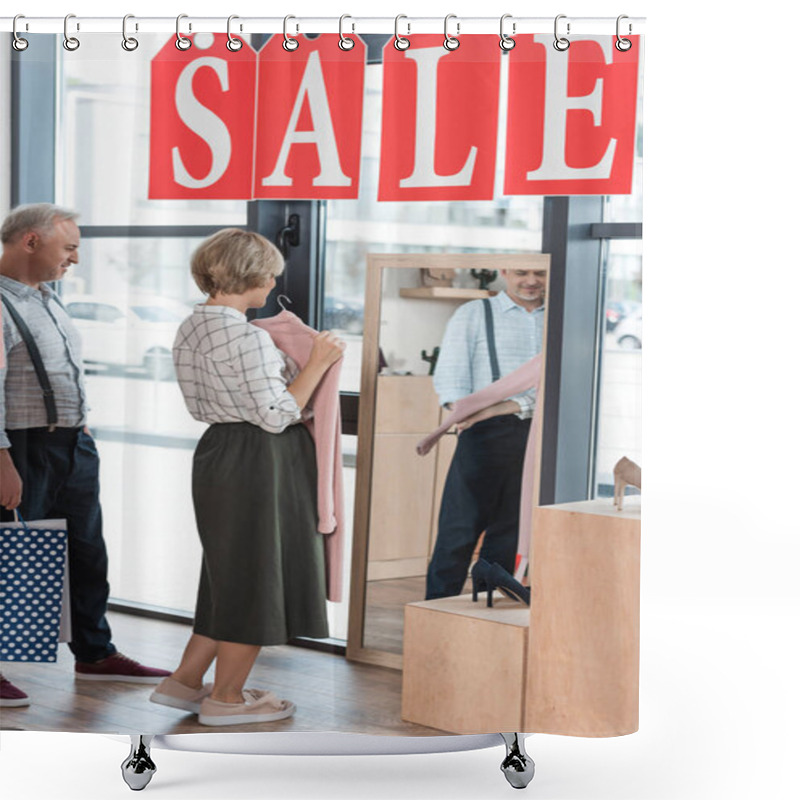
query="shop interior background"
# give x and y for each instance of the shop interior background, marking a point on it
(719, 603)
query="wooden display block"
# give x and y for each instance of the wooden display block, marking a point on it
(583, 677)
(464, 665)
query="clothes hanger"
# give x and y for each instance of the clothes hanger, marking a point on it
(282, 297)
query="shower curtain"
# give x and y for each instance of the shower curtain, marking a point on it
(339, 148)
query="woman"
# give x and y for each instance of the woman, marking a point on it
(253, 485)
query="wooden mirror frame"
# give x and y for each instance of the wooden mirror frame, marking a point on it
(376, 264)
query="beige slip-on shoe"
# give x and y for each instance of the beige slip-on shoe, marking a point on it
(259, 706)
(177, 695)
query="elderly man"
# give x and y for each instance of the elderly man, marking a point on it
(48, 461)
(485, 340)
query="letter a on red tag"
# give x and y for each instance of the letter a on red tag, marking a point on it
(309, 119)
(202, 111)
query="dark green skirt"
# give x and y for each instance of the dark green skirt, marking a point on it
(263, 575)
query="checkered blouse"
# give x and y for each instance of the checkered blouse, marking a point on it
(231, 371)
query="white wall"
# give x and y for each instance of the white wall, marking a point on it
(408, 325)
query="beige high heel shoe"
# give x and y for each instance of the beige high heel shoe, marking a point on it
(626, 473)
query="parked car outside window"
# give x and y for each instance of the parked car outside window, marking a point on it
(343, 315)
(133, 332)
(629, 331)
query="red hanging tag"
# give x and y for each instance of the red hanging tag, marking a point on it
(571, 116)
(440, 111)
(309, 119)
(202, 113)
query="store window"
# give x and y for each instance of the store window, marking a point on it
(133, 287)
(127, 296)
(619, 401)
(104, 111)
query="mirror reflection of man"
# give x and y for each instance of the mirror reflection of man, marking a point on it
(49, 467)
(485, 340)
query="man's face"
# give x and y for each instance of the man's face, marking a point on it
(53, 252)
(526, 286)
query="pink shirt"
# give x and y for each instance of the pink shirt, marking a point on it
(295, 338)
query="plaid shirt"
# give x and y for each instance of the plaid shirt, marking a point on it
(231, 371)
(464, 367)
(21, 403)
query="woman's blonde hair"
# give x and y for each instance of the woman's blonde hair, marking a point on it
(232, 261)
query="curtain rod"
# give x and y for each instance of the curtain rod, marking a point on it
(513, 26)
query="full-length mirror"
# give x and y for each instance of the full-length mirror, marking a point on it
(437, 328)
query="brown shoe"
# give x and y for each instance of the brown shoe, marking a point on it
(119, 668)
(259, 706)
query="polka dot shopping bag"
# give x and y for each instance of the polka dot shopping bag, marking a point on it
(34, 604)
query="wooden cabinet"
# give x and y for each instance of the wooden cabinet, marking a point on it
(568, 665)
(406, 488)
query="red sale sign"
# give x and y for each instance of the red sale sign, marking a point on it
(440, 112)
(289, 124)
(571, 116)
(202, 111)
(310, 105)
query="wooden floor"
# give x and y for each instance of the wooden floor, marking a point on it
(331, 693)
(384, 610)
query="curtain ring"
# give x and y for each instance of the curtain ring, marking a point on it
(506, 42)
(70, 42)
(561, 43)
(345, 42)
(128, 42)
(451, 42)
(623, 45)
(234, 43)
(181, 41)
(400, 42)
(289, 44)
(19, 44)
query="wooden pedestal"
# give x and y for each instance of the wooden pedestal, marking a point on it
(583, 668)
(568, 665)
(464, 665)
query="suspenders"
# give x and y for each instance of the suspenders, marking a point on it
(490, 341)
(38, 366)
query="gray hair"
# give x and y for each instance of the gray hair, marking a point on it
(232, 261)
(39, 217)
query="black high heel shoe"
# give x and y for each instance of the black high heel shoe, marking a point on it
(481, 571)
(508, 585)
(488, 577)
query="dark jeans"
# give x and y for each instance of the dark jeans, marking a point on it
(60, 480)
(481, 493)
